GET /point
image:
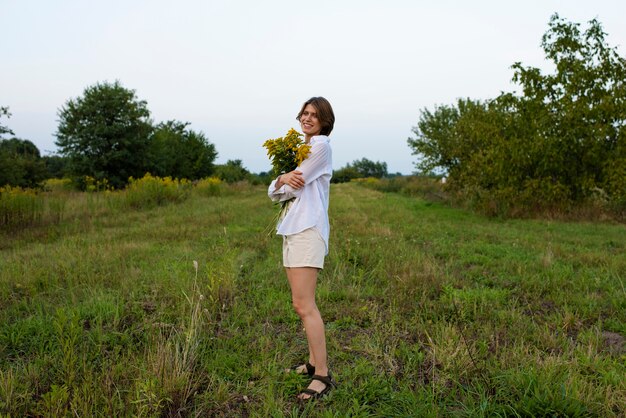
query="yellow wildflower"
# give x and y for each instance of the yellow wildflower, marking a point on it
(288, 152)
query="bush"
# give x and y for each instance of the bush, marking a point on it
(58, 185)
(19, 207)
(21, 164)
(210, 186)
(151, 191)
(615, 174)
(372, 182)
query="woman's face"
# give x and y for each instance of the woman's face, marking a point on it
(309, 122)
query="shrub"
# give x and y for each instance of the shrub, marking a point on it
(368, 181)
(90, 184)
(210, 186)
(58, 185)
(20, 163)
(615, 174)
(19, 207)
(150, 191)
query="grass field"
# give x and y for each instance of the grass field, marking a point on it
(430, 311)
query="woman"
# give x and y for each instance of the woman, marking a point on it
(305, 230)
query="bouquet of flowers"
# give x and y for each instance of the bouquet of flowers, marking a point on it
(286, 153)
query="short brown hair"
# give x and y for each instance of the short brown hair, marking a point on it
(325, 113)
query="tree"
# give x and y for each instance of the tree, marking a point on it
(582, 107)
(368, 168)
(561, 140)
(4, 111)
(105, 133)
(465, 140)
(56, 166)
(20, 163)
(360, 169)
(232, 171)
(180, 152)
(345, 174)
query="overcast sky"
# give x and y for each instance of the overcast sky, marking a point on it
(239, 70)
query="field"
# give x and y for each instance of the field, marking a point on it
(430, 311)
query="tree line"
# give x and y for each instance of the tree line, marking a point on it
(107, 134)
(561, 141)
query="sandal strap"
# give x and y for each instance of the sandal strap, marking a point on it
(310, 392)
(310, 369)
(327, 380)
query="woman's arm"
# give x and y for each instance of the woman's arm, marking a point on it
(281, 189)
(289, 185)
(293, 178)
(315, 166)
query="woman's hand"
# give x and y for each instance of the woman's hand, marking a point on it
(293, 178)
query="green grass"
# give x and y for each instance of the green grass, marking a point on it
(430, 311)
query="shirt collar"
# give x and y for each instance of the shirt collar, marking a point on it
(319, 138)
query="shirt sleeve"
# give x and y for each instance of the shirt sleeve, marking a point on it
(313, 167)
(280, 194)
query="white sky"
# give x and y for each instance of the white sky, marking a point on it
(239, 70)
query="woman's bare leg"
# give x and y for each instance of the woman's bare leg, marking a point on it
(303, 281)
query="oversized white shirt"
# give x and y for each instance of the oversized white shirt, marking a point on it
(310, 207)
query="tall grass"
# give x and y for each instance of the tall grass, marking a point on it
(58, 186)
(173, 375)
(58, 199)
(19, 207)
(150, 191)
(210, 186)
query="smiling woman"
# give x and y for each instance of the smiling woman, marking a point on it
(305, 230)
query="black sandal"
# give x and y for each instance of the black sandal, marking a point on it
(313, 394)
(310, 369)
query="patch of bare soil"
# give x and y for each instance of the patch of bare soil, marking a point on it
(613, 342)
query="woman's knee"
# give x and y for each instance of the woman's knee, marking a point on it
(303, 308)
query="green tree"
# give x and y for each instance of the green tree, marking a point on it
(345, 174)
(20, 163)
(105, 133)
(562, 139)
(4, 111)
(56, 166)
(180, 152)
(369, 168)
(232, 171)
(467, 141)
(360, 169)
(582, 107)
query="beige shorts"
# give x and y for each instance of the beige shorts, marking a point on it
(304, 249)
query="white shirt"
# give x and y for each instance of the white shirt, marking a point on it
(310, 208)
